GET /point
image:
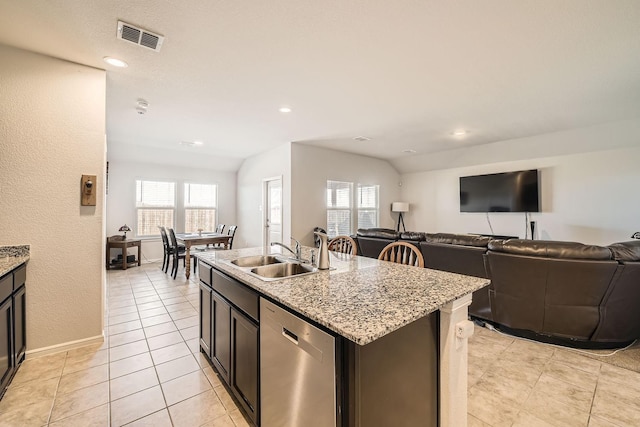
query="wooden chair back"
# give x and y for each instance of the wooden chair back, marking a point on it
(174, 241)
(343, 244)
(402, 253)
(220, 228)
(165, 239)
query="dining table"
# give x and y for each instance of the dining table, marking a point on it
(195, 239)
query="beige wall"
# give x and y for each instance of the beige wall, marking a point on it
(589, 198)
(52, 130)
(122, 194)
(251, 175)
(313, 166)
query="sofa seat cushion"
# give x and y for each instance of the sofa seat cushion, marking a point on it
(626, 251)
(458, 239)
(551, 249)
(379, 233)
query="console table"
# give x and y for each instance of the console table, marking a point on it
(124, 244)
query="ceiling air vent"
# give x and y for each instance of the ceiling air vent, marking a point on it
(139, 36)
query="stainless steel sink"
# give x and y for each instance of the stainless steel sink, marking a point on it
(256, 261)
(282, 271)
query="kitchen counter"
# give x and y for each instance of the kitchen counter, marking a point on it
(363, 299)
(391, 321)
(12, 256)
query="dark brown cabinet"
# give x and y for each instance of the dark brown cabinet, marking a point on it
(221, 325)
(13, 340)
(229, 334)
(205, 318)
(244, 362)
(6, 347)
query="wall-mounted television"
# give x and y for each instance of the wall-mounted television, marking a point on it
(500, 192)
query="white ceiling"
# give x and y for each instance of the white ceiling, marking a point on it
(404, 73)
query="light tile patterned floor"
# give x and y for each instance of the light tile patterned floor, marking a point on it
(149, 372)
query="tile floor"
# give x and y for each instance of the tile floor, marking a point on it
(149, 372)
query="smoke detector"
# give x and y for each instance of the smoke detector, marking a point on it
(139, 36)
(361, 138)
(142, 106)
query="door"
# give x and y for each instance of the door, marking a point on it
(6, 338)
(244, 362)
(273, 210)
(20, 320)
(221, 327)
(205, 319)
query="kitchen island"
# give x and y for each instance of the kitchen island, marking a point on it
(399, 333)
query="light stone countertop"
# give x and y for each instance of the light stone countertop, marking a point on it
(12, 257)
(362, 299)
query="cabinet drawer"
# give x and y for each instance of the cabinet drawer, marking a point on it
(6, 287)
(19, 276)
(204, 272)
(236, 293)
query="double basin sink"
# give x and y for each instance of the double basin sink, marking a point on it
(271, 267)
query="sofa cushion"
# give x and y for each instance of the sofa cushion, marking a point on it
(417, 236)
(458, 239)
(380, 233)
(626, 251)
(551, 249)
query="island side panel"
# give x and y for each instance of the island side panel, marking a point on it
(393, 381)
(455, 330)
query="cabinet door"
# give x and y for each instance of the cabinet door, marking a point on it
(205, 319)
(244, 362)
(221, 327)
(6, 339)
(20, 322)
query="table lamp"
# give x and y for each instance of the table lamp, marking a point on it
(400, 207)
(124, 228)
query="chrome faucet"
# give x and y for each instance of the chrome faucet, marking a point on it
(297, 252)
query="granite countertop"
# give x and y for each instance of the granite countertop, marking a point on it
(12, 256)
(362, 299)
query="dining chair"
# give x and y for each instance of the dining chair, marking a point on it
(232, 233)
(402, 253)
(167, 248)
(220, 228)
(179, 253)
(343, 244)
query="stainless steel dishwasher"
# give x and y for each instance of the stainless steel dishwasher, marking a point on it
(297, 371)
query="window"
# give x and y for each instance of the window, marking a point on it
(200, 202)
(155, 206)
(338, 208)
(367, 202)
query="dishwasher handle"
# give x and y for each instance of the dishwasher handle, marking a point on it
(289, 335)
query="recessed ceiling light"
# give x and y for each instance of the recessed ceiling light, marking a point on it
(361, 138)
(409, 151)
(191, 143)
(285, 110)
(459, 132)
(115, 62)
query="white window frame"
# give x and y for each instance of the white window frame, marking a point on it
(186, 208)
(354, 208)
(139, 205)
(359, 208)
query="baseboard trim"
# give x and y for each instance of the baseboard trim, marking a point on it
(63, 347)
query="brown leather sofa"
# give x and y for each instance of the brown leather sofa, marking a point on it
(372, 240)
(561, 292)
(566, 292)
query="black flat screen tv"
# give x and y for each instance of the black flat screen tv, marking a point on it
(500, 192)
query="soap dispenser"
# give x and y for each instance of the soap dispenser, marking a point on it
(323, 251)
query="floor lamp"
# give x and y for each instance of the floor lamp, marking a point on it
(400, 207)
